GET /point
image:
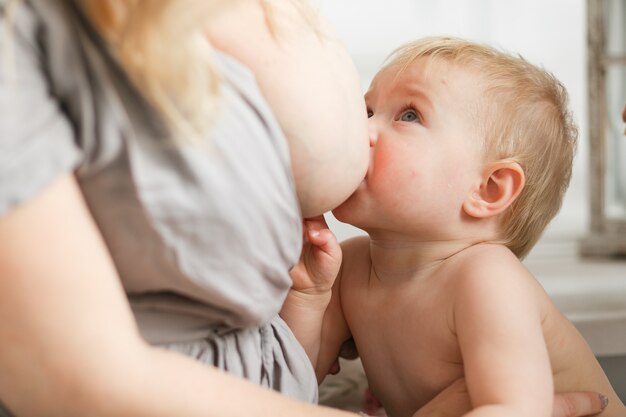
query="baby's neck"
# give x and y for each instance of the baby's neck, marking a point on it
(399, 259)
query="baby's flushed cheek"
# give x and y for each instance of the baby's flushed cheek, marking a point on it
(392, 159)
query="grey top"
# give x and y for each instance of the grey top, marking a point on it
(202, 235)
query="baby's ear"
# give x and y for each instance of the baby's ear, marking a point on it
(501, 183)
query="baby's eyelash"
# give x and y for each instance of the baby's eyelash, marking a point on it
(412, 108)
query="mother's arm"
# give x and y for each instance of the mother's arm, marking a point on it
(70, 346)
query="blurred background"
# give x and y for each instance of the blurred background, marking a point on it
(554, 34)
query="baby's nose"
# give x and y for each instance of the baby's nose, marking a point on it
(372, 132)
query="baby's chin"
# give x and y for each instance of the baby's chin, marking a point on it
(347, 211)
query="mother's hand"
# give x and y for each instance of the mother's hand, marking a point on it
(454, 401)
(574, 404)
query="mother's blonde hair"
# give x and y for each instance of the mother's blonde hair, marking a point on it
(523, 117)
(162, 46)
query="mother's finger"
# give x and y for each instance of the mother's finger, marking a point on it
(578, 404)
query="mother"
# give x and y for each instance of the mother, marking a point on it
(142, 160)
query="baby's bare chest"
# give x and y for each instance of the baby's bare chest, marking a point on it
(407, 348)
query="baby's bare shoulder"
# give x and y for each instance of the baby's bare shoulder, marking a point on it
(490, 265)
(487, 257)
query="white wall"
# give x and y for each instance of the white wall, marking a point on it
(548, 33)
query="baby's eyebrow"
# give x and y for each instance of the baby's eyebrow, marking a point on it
(416, 91)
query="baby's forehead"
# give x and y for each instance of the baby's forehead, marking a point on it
(431, 68)
(449, 87)
(430, 73)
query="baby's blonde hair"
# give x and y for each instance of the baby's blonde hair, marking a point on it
(523, 117)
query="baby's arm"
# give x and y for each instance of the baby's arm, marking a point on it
(313, 278)
(497, 318)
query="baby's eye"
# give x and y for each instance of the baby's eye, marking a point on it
(369, 113)
(409, 115)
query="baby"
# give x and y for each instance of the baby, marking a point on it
(471, 153)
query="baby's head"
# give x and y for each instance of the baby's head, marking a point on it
(521, 120)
